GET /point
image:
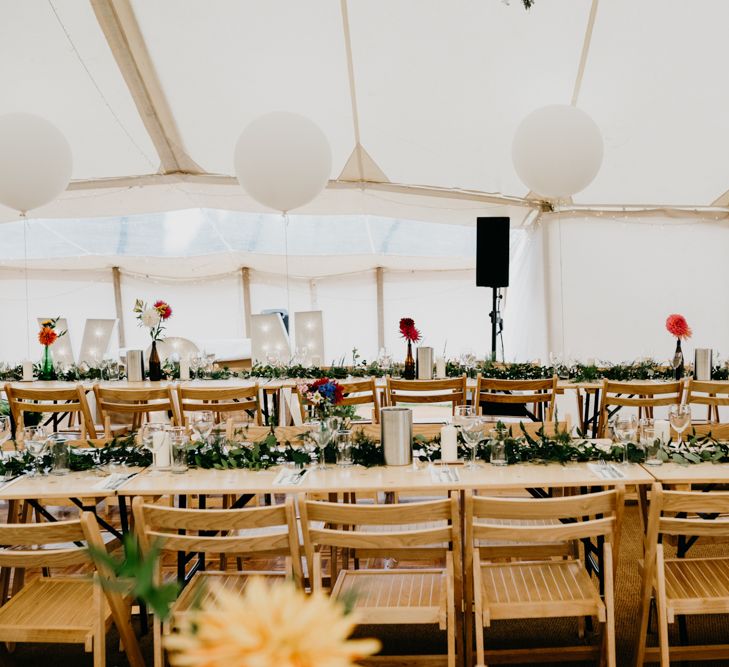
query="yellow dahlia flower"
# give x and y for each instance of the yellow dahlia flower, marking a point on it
(268, 626)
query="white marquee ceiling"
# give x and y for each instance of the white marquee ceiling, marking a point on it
(152, 95)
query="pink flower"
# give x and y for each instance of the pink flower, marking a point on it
(677, 326)
(408, 330)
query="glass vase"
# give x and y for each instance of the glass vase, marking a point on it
(47, 369)
(408, 372)
(677, 364)
(155, 366)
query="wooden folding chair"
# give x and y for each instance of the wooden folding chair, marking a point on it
(137, 403)
(451, 390)
(63, 403)
(390, 596)
(223, 401)
(530, 399)
(683, 586)
(712, 394)
(544, 588)
(356, 392)
(63, 609)
(265, 532)
(644, 396)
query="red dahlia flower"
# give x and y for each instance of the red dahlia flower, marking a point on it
(164, 309)
(677, 326)
(408, 330)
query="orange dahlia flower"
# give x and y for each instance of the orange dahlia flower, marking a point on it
(46, 336)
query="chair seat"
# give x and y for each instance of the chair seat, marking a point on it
(697, 585)
(395, 596)
(201, 584)
(538, 589)
(51, 610)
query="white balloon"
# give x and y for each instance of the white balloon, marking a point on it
(283, 160)
(35, 161)
(557, 151)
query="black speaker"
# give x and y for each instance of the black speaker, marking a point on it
(492, 252)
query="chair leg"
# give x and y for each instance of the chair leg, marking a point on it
(609, 609)
(100, 645)
(159, 651)
(661, 610)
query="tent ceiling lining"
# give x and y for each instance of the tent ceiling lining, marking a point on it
(147, 68)
(117, 21)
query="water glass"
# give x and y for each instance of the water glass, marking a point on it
(35, 440)
(651, 445)
(60, 454)
(625, 430)
(344, 448)
(680, 418)
(202, 423)
(178, 446)
(498, 449)
(155, 439)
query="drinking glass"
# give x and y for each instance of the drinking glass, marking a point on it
(321, 434)
(472, 435)
(680, 418)
(344, 448)
(463, 412)
(179, 442)
(202, 424)
(625, 429)
(651, 445)
(154, 439)
(35, 440)
(498, 448)
(60, 454)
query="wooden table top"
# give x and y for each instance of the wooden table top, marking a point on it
(86, 484)
(693, 473)
(271, 383)
(380, 478)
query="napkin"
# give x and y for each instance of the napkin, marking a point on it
(289, 477)
(608, 471)
(114, 481)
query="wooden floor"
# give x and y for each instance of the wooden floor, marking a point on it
(429, 639)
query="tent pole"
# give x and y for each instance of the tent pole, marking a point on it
(245, 276)
(380, 276)
(116, 279)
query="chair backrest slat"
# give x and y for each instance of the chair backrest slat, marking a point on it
(641, 395)
(135, 401)
(220, 400)
(542, 394)
(556, 519)
(586, 504)
(451, 390)
(71, 400)
(46, 535)
(248, 530)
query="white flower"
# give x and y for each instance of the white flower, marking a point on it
(150, 318)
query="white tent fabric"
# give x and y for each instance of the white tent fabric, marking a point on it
(419, 100)
(152, 96)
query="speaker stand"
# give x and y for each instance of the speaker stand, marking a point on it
(497, 323)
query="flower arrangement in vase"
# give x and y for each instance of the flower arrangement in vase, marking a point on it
(323, 395)
(46, 337)
(411, 334)
(677, 326)
(153, 317)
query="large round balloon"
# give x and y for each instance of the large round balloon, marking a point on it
(557, 151)
(35, 161)
(282, 160)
